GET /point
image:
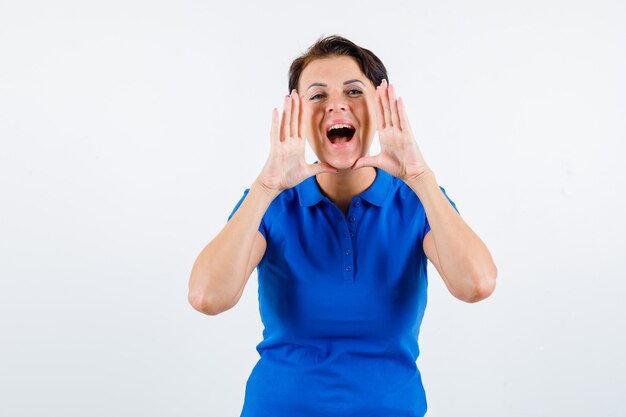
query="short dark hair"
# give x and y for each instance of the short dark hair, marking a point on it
(336, 45)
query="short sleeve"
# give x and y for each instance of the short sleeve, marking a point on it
(262, 226)
(427, 228)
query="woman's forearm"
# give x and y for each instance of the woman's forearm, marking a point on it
(221, 268)
(464, 259)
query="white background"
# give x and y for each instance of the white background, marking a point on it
(129, 130)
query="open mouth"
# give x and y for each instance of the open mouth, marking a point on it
(339, 134)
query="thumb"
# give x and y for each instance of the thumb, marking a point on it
(367, 161)
(321, 167)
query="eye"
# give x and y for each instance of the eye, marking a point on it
(354, 92)
(316, 96)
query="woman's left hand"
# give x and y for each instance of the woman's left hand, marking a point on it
(399, 154)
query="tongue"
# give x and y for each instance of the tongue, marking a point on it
(337, 140)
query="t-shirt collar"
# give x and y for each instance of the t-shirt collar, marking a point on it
(310, 194)
(377, 192)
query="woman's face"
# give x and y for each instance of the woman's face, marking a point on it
(339, 116)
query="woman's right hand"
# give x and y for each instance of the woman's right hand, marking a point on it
(285, 166)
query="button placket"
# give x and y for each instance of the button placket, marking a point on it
(347, 258)
(348, 251)
(354, 213)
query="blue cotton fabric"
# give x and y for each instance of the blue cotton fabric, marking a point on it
(341, 298)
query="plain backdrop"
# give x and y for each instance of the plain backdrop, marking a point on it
(129, 130)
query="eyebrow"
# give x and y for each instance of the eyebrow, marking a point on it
(344, 83)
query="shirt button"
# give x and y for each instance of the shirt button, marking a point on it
(348, 252)
(352, 219)
(351, 234)
(358, 203)
(348, 268)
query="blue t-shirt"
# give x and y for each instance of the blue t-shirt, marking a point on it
(341, 299)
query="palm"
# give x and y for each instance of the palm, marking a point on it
(399, 154)
(285, 167)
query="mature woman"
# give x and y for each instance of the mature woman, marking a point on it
(341, 247)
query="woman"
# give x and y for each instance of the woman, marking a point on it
(341, 247)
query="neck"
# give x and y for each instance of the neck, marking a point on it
(342, 186)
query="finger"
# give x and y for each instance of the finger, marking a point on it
(380, 123)
(301, 118)
(395, 118)
(404, 120)
(385, 102)
(284, 123)
(295, 112)
(367, 161)
(274, 136)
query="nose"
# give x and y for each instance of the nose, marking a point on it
(335, 104)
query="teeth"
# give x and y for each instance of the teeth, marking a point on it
(339, 126)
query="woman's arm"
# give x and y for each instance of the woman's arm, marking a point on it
(459, 255)
(222, 269)
(461, 258)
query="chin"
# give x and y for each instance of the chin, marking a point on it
(341, 163)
